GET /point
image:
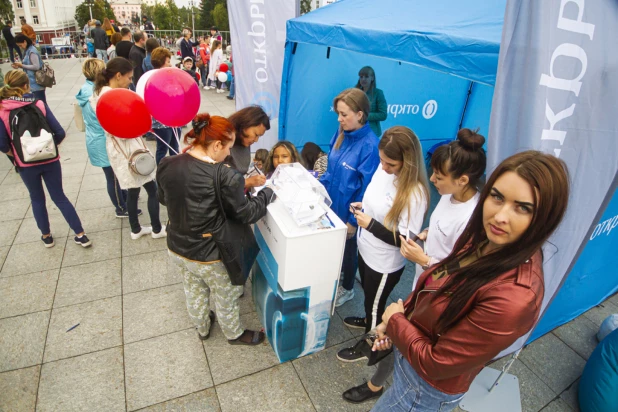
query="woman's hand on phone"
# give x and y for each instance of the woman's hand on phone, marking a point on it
(382, 341)
(357, 205)
(413, 252)
(362, 219)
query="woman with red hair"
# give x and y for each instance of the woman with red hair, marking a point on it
(186, 185)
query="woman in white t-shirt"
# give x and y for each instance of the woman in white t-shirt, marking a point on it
(457, 170)
(394, 203)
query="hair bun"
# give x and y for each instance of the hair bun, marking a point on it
(470, 139)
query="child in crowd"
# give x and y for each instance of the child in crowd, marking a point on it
(187, 64)
(314, 159)
(260, 159)
(216, 58)
(283, 152)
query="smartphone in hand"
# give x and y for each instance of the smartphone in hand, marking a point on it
(414, 237)
(353, 209)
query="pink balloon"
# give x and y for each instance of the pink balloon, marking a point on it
(172, 96)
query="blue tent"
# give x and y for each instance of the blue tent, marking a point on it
(435, 61)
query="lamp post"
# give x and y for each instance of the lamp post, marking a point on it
(90, 8)
(192, 2)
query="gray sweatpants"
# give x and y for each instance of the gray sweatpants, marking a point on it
(202, 280)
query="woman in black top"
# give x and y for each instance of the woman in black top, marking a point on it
(186, 187)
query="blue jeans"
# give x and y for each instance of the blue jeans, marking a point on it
(102, 55)
(116, 194)
(153, 207)
(166, 134)
(40, 94)
(51, 173)
(350, 263)
(232, 88)
(204, 74)
(410, 392)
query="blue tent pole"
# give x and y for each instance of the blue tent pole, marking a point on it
(290, 49)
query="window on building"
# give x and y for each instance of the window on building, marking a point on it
(317, 4)
(32, 3)
(35, 19)
(19, 4)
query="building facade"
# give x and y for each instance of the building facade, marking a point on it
(126, 11)
(48, 18)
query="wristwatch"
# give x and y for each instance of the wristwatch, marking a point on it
(426, 265)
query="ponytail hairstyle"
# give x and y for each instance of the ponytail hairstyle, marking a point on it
(357, 101)
(215, 46)
(549, 179)
(401, 144)
(208, 129)
(463, 156)
(113, 67)
(15, 84)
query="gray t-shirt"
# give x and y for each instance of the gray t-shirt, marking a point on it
(239, 158)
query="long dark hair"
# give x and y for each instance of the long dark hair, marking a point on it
(113, 67)
(270, 167)
(310, 154)
(548, 176)
(463, 156)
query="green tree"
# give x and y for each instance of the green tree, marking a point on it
(82, 12)
(206, 21)
(6, 10)
(161, 17)
(109, 12)
(220, 17)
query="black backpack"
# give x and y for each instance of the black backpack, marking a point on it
(27, 118)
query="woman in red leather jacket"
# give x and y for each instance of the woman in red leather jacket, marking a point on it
(483, 296)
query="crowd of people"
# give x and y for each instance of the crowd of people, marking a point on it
(478, 285)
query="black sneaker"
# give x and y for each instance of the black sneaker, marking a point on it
(125, 213)
(230, 98)
(355, 322)
(83, 241)
(361, 393)
(48, 241)
(351, 355)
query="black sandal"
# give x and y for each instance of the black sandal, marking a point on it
(211, 315)
(256, 338)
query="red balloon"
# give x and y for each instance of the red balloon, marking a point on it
(123, 113)
(223, 68)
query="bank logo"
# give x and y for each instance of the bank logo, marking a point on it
(430, 109)
(268, 102)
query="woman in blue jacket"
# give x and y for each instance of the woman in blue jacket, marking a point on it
(95, 136)
(352, 161)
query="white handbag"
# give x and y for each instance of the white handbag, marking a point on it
(78, 115)
(39, 147)
(141, 161)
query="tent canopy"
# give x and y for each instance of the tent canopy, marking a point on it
(461, 38)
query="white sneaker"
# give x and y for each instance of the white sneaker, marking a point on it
(206, 87)
(220, 91)
(146, 230)
(343, 295)
(161, 234)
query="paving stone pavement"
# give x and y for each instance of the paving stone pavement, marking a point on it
(135, 348)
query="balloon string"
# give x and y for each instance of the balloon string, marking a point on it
(176, 134)
(159, 137)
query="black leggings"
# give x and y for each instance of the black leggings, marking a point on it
(377, 286)
(153, 207)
